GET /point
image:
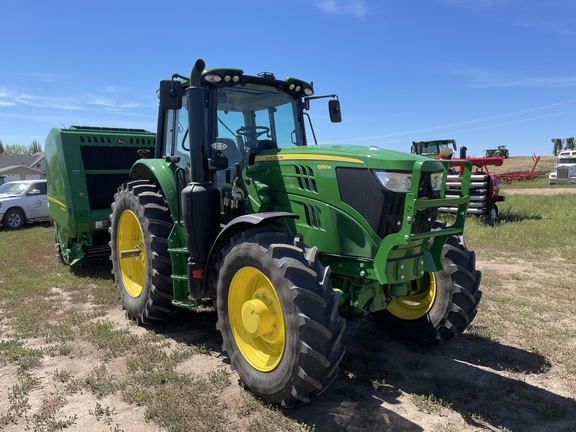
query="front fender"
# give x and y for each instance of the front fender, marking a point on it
(242, 222)
(233, 227)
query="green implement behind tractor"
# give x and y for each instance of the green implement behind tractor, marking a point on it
(238, 208)
(433, 149)
(84, 166)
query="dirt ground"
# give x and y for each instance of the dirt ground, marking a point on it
(386, 404)
(385, 401)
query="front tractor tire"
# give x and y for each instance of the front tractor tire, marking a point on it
(447, 305)
(139, 229)
(278, 316)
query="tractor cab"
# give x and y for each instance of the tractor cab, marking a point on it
(241, 116)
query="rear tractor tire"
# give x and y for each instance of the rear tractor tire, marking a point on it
(448, 305)
(139, 229)
(278, 316)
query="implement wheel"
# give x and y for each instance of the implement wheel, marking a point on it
(278, 316)
(493, 214)
(140, 225)
(447, 304)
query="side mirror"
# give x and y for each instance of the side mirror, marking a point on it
(334, 108)
(33, 192)
(170, 94)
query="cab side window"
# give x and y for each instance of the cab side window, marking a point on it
(177, 143)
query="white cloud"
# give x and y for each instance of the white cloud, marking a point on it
(46, 102)
(484, 78)
(45, 77)
(542, 16)
(356, 8)
(481, 123)
(76, 102)
(110, 104)
(477, 5)
(558, 27)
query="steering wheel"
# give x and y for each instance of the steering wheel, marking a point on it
(257, 130)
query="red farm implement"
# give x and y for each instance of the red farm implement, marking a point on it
(522, 175)
(484, 188)
(485, 185)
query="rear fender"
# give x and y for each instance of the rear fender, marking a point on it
(163, 173)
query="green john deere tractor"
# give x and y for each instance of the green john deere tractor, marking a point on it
(501, 151)
(236, 207)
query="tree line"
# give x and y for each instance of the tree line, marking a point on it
(19, 149)
(562, 144)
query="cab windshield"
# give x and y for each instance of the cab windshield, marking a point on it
(257, 116)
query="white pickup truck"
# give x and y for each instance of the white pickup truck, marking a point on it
(21, 202)
(565, 172)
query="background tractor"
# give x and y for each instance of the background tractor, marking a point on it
(237, 207)
(500, 151)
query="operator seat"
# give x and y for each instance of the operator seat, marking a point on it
(232, 152)
(261, 146)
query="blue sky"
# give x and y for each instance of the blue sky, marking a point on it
(483, 72)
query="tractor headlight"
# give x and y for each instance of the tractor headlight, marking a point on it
(213, 78)
(436, 181)
(395, 182)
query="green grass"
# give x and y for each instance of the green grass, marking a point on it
(429, 403)
(535, 225)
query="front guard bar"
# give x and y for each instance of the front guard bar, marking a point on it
(413, 204)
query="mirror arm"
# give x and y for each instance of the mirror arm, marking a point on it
(309, 98)
(311, 127)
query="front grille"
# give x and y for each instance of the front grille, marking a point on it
(562, 172)
(383, 209)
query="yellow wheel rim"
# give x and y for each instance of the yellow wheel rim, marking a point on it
(131, 253)
(256, 319)
(415, 306)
